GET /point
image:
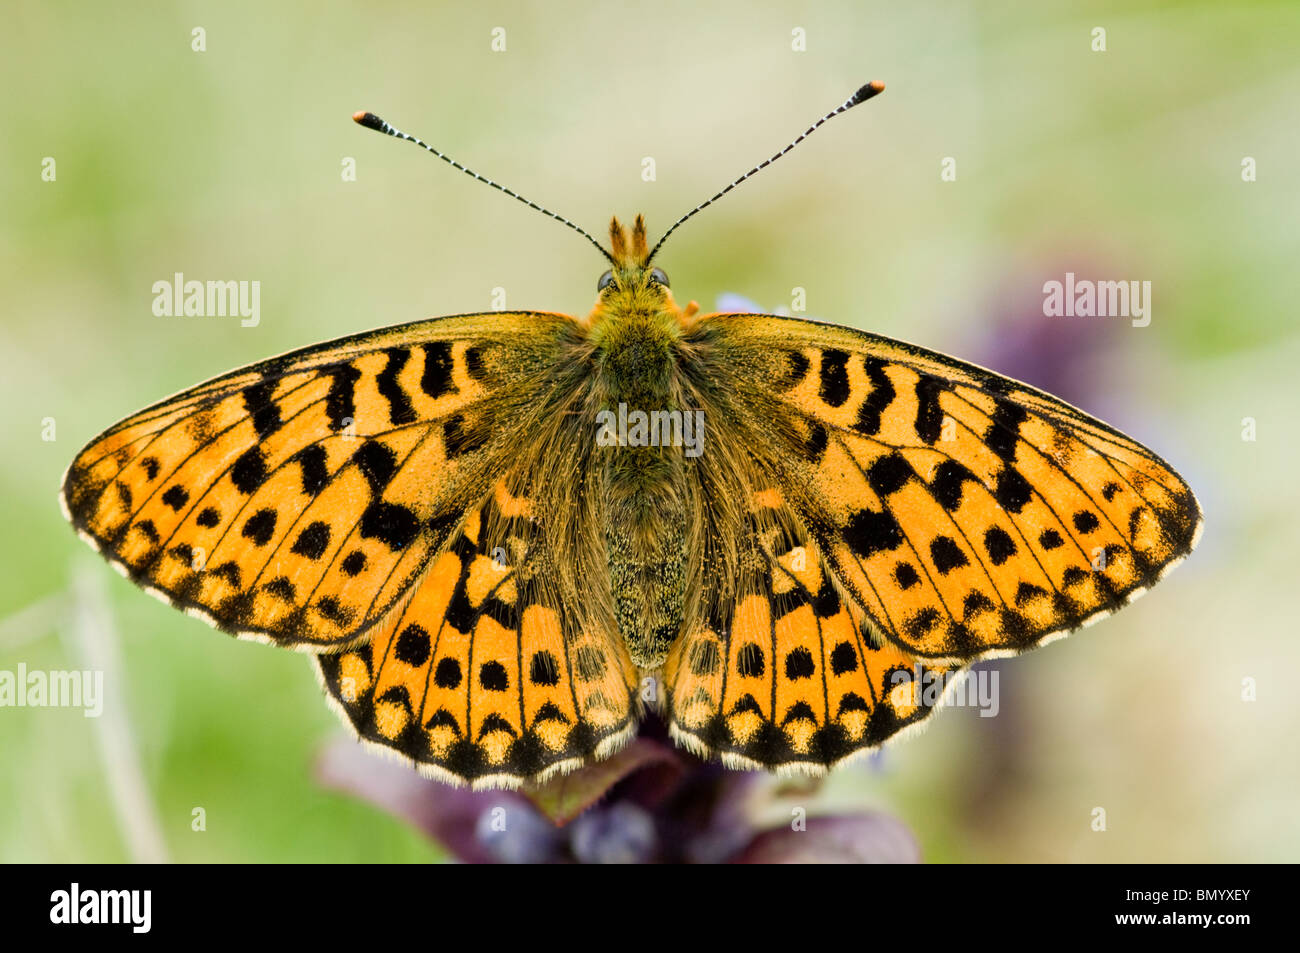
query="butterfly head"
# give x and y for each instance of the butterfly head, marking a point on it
(632, 277)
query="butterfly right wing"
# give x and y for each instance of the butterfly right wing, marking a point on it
(296, 499)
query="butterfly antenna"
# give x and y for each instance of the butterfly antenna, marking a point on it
(861, 96)
(371, 121)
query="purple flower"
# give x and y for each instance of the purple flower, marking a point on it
(650, 803)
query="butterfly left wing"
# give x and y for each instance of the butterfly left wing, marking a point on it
(484, 675)
(964, 514)
(296, 499)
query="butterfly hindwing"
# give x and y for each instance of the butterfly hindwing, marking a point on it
(965, 514)
(480, 676)
(785, 676)
(296, 499)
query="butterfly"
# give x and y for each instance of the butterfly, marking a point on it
(506, 538)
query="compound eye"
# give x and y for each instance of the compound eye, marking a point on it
(658, 277)
(605, 281)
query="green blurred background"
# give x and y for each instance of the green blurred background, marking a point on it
(226, 164)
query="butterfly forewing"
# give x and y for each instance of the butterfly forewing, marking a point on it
(962, 513)
(297, 499)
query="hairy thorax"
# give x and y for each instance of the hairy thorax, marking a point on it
(635, 330)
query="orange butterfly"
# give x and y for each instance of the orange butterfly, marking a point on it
(504, 536)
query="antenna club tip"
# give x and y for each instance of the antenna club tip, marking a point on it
(369, 120)
(873, 88)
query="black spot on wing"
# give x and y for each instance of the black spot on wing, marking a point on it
(929, 416)
(312, 541)
(412, 645)
(447, 673)
(264, 410)
(799, 711)
(495, 722)
(185, 553)
(400, 410)
(826, 603)
(282, 588)
(176, 497)
(443, 718)
(947, 555)
(315, 472)
(493, 676)
(869, 532)
(946, 486)
(436, 379)
(919, 623)
(799, 664)
(504, 614)
(844, 658)
(147, 530)
(888, 473)
(335, 611)
(906, 576)
(878, 400)
(229, 571)
(460, 614)
(749, 661)
(1085, 521)
(377, 463)
(1027, 591)
(392, 524)
(1004, 429)
(1073, 576)
(249, 471)
(551, 712)
(340, 402)
(1012, 490)
(260, 527)
(440, 527)
(543, 669)
(999, 544)
(834, 377)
